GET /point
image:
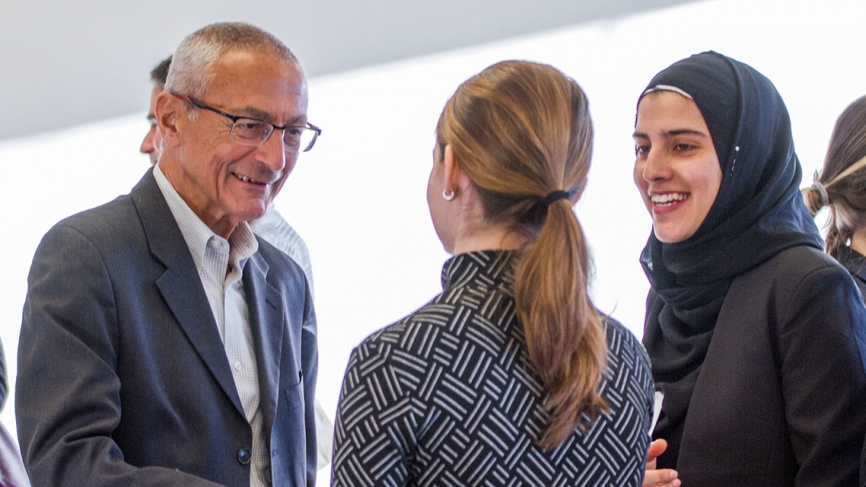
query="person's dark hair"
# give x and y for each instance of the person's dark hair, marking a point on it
(843, 178)
(159, 74)
(521, 131)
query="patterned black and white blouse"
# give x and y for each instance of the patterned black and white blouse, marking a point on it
(448, 397)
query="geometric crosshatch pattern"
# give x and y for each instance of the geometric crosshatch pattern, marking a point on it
(447, 397)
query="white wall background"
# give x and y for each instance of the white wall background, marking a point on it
(359, 197)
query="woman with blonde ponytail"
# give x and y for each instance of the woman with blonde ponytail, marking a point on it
(841, 187)
(510, 376)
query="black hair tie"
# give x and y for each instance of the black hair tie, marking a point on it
(554, 196)
(537, 213)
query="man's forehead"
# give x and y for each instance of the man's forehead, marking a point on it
(288, 109)
(259, 85)
(247, 62)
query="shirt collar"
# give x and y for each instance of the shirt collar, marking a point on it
(196, 233)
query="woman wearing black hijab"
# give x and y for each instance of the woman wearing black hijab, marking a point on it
(756, 337)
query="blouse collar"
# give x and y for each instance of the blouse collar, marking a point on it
(491, 266)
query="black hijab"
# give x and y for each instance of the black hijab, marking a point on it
(758, 213)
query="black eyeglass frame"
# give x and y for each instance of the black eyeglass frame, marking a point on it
(234, 118)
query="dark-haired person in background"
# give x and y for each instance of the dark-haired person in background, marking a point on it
(150, 143)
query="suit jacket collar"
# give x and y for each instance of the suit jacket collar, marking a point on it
(267, 321)
(180, 284)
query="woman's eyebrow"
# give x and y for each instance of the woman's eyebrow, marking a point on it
(673, 133)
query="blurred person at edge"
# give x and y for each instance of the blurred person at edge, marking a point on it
(271, 227)
(162, 343)
(151, 144)
(756, 337)
(510, 376)
(840, 186)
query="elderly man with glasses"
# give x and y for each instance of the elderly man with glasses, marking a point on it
(162, 343)
(271, 226)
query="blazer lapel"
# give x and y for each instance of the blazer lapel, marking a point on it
(180, 284)
(267, 323)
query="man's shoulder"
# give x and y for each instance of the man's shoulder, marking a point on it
(111, 218)
(105, 220)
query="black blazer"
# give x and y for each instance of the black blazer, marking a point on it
(781, 397)
(122, 376)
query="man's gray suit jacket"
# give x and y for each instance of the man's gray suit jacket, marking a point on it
(122, 376)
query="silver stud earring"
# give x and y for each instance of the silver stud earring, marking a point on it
(448, 194)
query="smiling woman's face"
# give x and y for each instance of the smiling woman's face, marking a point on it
(676, 167)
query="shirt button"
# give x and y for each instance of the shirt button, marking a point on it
(238, 365)
(244, 456)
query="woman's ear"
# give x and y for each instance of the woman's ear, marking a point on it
(454, 177)
(167, 111)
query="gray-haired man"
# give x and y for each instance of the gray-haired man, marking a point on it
(162, 343)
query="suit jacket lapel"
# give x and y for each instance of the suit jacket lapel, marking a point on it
(180, 284)
(267, 323)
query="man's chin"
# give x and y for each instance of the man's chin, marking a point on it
(255, 214)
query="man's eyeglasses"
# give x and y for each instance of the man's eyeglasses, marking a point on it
(254, 132)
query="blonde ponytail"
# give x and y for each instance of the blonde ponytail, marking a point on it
(563, 330)
(521, 131)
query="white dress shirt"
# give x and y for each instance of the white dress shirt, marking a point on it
(220, 265)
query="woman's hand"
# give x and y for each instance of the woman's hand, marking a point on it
(665, 477)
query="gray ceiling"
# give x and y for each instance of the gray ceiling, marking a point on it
(70, 62)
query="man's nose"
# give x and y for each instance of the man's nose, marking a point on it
(272, 151)
(147, 144)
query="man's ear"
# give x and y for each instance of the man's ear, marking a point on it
(169, 110)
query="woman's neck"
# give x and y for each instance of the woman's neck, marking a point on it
(474, 232)
(488, 237)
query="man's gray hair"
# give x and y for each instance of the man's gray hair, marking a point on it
(192, 63)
